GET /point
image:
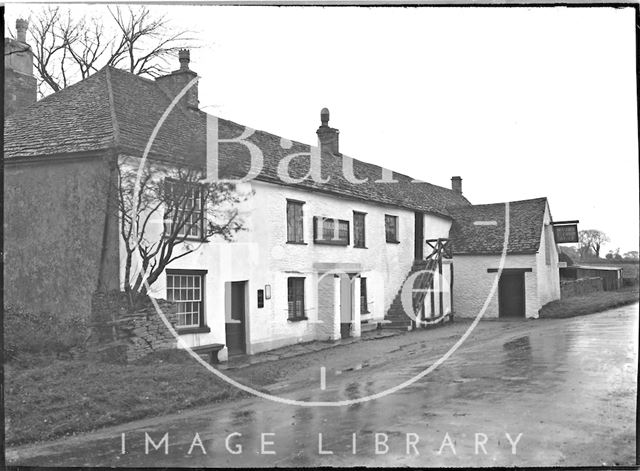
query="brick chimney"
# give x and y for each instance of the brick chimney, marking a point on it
(178, 79)
(456, 184)
(20, 86)
(327, 137)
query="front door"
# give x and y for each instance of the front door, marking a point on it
(235, 329)
(511, 295)
(346, 303)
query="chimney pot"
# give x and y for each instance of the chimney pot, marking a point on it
(456, 184)
(21, 30)
(184, 56)
(324, 116)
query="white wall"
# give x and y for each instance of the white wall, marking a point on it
(435, 227)
(261, 256)
(219, 258)
(472, 283)
(385, 265)
(548, 273)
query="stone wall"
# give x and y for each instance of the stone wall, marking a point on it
(580, 286)
(123, 334)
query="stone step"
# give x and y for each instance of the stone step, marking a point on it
(396, 316)
(368, 326)
(397, 327)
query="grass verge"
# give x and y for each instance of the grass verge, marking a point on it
(46, 399)
(590, 303)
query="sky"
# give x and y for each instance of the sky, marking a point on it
(519, 102)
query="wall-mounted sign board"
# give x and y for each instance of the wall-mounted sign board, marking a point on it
(566, 232)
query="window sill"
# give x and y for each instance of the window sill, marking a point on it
(296, 243)
(393, 242)
(331, 242)
(193, 330)
(297, 319)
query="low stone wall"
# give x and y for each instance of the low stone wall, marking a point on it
(580, 287)
(122, 334)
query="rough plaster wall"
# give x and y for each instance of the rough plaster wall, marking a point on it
(53, 229)
(472, 283)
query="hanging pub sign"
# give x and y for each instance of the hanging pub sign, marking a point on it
(565, 232)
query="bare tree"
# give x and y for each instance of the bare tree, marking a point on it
(591, 241)
(187, 210)
(68, 49)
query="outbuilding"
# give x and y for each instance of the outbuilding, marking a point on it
(530, 276)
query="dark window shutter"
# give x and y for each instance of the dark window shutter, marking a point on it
(290, 222)
(299, 232)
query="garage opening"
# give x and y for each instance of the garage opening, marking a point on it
(511, 294)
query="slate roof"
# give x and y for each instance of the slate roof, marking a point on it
(114, 108)
(525, 227)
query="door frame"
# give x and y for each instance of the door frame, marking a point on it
(245, 330)
(350, 284)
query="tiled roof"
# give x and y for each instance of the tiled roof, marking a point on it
(76, 119)
(116, 108)
(479, 229)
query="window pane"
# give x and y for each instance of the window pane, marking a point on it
(294, 222)
(186, 210)
(390, 226)
(185, 291)
(343, 230)
(295, 297)
(364, 308)
(358, 230)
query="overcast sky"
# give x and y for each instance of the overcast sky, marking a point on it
(520, 102)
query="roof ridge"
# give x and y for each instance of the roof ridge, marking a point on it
(112, 108)
(355, 159)
(540, 198)
(123, 71)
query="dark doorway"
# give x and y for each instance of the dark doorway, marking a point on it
(235, 330)
(419, 236)
(511, 295)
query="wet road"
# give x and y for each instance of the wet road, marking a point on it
(545, 392)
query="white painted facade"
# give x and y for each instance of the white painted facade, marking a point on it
(261, 256)
(263, 259)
